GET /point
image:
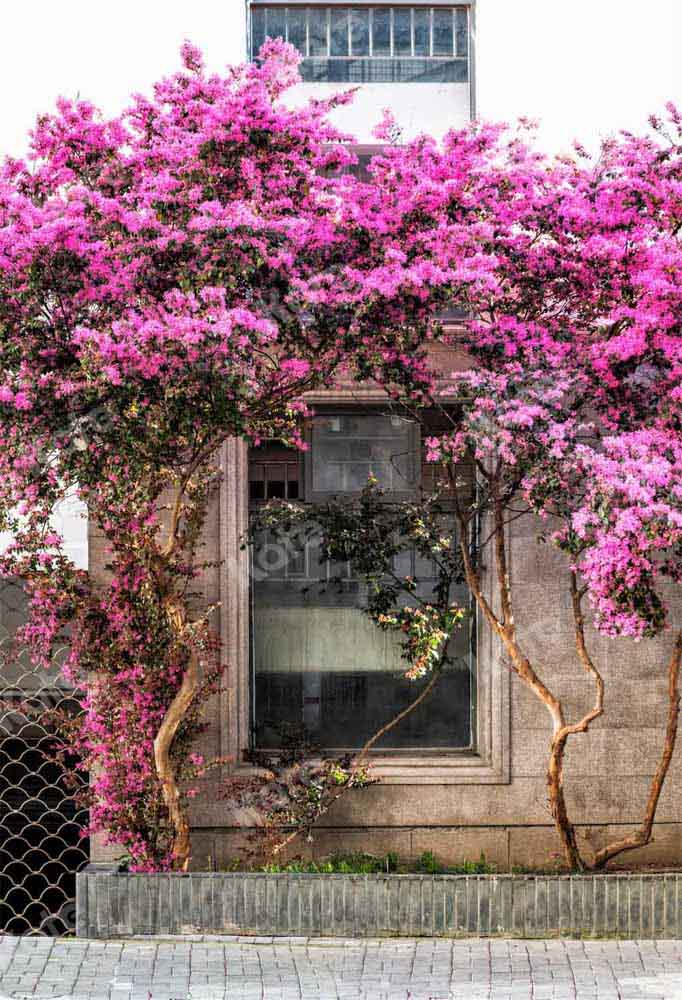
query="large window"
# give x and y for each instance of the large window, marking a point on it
(318, 662)
(370, 44)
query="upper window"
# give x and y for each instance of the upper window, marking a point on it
(347, 448)
(370, 44)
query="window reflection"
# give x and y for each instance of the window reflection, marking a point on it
(370, 44)
(442, 33)
(381, 32)
(317, 32)
(340, 39)
(297, 30)
(422, 33)
(402, 32)
(359, 30)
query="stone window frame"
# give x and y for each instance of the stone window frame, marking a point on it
(489, 763)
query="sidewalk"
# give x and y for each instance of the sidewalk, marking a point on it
(314, 969)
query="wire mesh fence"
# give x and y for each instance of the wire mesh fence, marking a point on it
(41, 817)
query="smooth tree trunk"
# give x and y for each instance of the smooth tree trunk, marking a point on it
(177, 812)
(180, 536)
(504, 625)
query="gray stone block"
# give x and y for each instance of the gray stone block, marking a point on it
(113, 904)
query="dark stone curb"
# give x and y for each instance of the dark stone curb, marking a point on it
(116, 904)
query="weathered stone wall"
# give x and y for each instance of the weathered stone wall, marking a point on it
(608, 770)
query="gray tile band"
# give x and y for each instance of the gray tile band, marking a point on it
(113, 904)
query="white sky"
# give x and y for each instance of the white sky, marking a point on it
(584, 67)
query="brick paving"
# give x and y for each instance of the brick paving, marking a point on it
(333, 969)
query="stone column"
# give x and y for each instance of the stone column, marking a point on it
(234, 598)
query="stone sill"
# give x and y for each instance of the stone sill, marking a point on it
(113, 904)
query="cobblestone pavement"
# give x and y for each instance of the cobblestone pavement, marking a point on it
(314, 969)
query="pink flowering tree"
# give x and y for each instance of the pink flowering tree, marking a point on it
(571, 413)
(188, 271)
(169, 278)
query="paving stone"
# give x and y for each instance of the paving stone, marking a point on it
(299, 968)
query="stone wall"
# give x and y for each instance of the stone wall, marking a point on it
(503, 813)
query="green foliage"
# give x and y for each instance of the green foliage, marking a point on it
(371, 533)
(360, 863)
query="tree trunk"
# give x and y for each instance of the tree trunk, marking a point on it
(177, 812)
(504, 626)
(555, 767)
(557, 802)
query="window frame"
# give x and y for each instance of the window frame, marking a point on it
(410, 5)
(488, 764)
(391, 756)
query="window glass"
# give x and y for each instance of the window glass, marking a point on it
(257, 30)
(273, 474)
(359, 27)
(381, 32)
(442, 33)
(422, 43)
(402, 32)
(339, 33)
(276, 25)
(320, 666)
(380, 44)
(317, 32)
(347, 449)
(297, 32)
(461, 32)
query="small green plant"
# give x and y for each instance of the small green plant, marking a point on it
(429, 863)
(480, 867)
(360, 863)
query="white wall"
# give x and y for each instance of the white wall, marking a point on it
(102, 51)
(418, 107)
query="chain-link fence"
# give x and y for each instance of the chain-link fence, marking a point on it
(41, 843)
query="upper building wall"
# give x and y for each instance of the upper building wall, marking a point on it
(414, 59)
